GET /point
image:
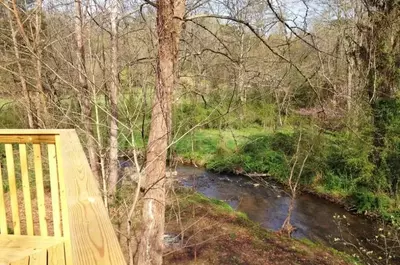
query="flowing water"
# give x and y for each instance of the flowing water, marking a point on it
(268, 205)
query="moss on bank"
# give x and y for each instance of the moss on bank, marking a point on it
(213, 233)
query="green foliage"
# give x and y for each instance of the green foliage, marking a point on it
(283, 141)
(338, 183)
(260, 153)
(10, 114)
(390, 168)
(347, 161)
(221, 114)
(200, 199)
(367, 201)
(187, 115)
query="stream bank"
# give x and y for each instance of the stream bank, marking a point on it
(315, 219)
(216, 234)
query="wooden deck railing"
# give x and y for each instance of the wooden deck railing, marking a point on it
(51, 191)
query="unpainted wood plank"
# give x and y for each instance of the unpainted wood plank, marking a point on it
(40, 189)
(28, 242)
(23, 261)
(93, 238)
(55, 199)
(24, 139)
(3, 216)
(13, 189)
(56, 255)
(11, 255)
(64, 203)
(39, 258)
(26, 189)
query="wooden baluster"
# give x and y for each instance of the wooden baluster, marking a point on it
(3, 217)
(26, 189)
(55, 200)
(40, 189)
(13, 189)
(64, 204)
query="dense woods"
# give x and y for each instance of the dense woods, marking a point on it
(305, 92)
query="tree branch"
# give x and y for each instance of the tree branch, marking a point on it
(254, 31)
(150, 3)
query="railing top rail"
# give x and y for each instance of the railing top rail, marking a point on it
(33, 131)
(32, 136)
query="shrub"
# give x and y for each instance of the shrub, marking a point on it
(283, 142)
(347, 157)
(255, 155)
(367, 201)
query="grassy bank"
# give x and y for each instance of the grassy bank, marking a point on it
(337, 168)
(216, 234)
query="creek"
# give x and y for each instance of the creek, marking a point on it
(313, 217)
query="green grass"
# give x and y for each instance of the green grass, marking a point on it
(200, 199)
(203, 145)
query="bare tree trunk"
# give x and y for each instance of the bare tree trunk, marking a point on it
(287, 226)
(169, 23)
(113, 155)
(25, 92)
(42, 112)
(350, 74)
(86, 109)
(99, 139)
(241, 70)
(279, 108)
(293, 184)
(241, 73)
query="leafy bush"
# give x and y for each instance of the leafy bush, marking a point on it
(334, 182)
(283, 142)
(367, 201)
(347, 157)
(255, 155)
(11, 115)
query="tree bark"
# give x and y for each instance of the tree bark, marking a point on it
(42, 112)
(86, 109)
(350, 74)
(113, 154)
(241, 69)
(287, 227)
(169, 23)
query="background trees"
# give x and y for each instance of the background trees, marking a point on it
(134, 79)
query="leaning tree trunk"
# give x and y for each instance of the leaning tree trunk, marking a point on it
(169, 22)
(86, 108)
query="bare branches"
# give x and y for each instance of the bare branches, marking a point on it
(283, 21)
(153, 4)
(266, 44)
